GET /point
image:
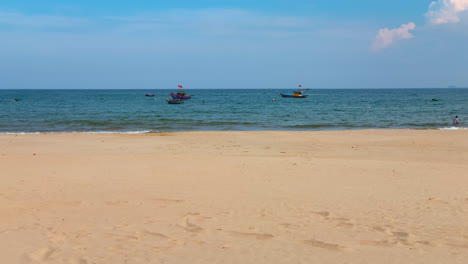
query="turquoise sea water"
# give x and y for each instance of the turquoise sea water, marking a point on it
(129, 111)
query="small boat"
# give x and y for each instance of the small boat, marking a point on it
(149, 95)
(175, 101)
(296, 94)
(180, 95)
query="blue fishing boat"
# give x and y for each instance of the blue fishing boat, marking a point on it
(296, 94)
(175, 101)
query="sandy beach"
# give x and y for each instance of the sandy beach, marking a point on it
(374, 196)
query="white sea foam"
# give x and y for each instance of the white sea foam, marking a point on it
(453, 128)
(116, 132)
(84, 132)
(20, 133)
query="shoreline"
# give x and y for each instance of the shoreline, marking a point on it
(377, 196)
(246, 131)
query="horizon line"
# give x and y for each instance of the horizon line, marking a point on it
(253, 88)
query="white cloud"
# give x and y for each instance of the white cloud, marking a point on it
(440, 12)
(446, 11)
(386, 37)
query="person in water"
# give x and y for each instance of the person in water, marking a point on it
(455, 121)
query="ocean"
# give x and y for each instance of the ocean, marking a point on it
(130, 111)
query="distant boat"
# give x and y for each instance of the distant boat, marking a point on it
(175, 101)
(149, 95)
(296, 94)
(180, 95)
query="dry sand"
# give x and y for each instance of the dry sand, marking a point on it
(390, 196)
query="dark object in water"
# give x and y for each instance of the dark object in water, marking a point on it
(149, 95)
(435, 100)
(17, 100)
(175, 101)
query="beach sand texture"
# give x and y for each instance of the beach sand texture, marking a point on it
(375, 196)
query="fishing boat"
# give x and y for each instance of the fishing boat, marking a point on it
(296, 94)
(181, 95)
(175, 101)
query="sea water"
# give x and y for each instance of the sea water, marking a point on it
(130, 111)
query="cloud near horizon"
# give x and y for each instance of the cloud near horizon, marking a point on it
(446, 11)
(386, 37)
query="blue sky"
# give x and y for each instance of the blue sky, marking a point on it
(233, 44)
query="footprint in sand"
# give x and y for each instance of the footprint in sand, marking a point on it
(438, 200)
(42, 254)
(379, 229)
(324, 245)
(115, 203)
(187, 222)
(190, 227)
(427, 243)
(379, 243)
(250, 235)
(456, 244)
(395, 238)
(289, 225)
(166, 200)
(152, 234)
(127, 242)
(324, 213)
(60, 237)
(339, 221)
(51, 255)
(342, 222)
(401, 235)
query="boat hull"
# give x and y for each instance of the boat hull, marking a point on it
(292, 96)
(179, 97)
(175, 101)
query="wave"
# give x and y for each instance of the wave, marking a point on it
(317, 126)
(169, 128)
(20, 133)
(92, 123)
(116, 132)
(425, 125)
(220, 123)
(84, 132)
(453, 128)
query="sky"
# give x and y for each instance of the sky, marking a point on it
(87, 44)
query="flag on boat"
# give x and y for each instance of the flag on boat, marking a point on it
(300, 85)
(180, 86)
